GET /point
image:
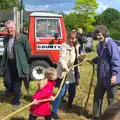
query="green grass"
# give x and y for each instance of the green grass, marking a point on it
(65, 114)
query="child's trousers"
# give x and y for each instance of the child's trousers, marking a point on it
(71, 92)
(32, 117)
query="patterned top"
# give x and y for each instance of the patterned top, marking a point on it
(10, 48)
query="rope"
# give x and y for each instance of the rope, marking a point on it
(90, 86)
(5, 118)
(84, 100)
(46, 100)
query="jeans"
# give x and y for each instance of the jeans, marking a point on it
(71, 92)
(56, 102)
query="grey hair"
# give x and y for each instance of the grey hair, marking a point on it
(101, 29)
(10, 21)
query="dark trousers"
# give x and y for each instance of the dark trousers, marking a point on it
(14, 84)
(71, 92)
(31, 117)
(7, 81)
(98, 98)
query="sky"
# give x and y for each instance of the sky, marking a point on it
(66, 5)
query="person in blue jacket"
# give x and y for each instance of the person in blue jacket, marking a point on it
(108, 70)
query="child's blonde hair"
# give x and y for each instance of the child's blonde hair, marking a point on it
(50, 73)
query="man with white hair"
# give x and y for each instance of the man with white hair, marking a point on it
(14, 64)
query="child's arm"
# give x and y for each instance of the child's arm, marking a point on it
(52, 98)
(35, 101)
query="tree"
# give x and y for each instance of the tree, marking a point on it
(85, 12)
(70, 22)
(111, 19)
(116, 25)
(110, 15)
(115, 34)
(99, 20)
(115, 29)
(51, 11)
(86, 7)
(107, 17)
(26, 24)
(7, 5)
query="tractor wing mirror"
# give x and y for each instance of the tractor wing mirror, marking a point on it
(56, 36)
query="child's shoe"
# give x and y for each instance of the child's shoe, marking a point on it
(54, 115)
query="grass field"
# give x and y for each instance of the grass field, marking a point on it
(64, 113)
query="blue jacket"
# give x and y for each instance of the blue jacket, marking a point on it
(108, 61)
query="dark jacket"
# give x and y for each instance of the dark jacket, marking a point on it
(108, 61)
(22, 51)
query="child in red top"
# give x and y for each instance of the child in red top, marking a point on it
(44, 91)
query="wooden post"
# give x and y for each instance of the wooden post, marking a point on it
(21, 22)
(21, 16)
(18, 22)
(16, 15)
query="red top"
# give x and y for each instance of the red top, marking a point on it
(42, 108)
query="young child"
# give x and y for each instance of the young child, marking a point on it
(44, 91)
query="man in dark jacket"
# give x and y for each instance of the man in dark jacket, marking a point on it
(14, 64)
(82, 39)
(108, 70)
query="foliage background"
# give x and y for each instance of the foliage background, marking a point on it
(83, 16)
(7, 5)
(111, 19)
